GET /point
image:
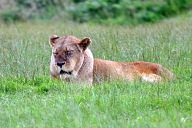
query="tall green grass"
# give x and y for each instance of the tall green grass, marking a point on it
(28, 98)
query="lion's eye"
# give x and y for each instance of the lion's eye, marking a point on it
(55, 53)
(69, 53)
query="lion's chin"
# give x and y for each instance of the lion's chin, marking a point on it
(64, 76)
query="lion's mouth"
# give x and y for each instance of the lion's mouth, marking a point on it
(62, 72)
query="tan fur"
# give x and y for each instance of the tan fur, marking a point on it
(87, 70)
(130, 71)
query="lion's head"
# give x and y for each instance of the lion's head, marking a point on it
(68, 54)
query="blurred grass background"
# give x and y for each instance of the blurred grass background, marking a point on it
(94, 11)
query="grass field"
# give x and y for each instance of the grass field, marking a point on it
(28, 98)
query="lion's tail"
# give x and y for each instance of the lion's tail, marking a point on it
(166, 74)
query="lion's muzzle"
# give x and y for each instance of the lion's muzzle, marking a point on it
(65, 72)
(60, 64)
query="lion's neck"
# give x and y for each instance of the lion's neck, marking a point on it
(86, 71)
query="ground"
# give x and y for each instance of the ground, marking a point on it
(28, 98)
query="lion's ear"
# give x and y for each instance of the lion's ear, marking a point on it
(85, 43)
(52, 40)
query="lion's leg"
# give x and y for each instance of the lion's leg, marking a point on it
(151, 78)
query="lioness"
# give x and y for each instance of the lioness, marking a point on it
(72, 60)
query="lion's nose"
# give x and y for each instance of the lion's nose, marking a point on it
(60, 64)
